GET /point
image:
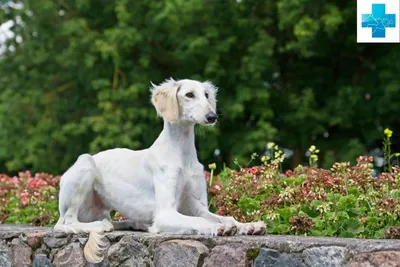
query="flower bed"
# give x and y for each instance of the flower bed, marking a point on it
(27, 199)
(344, 201)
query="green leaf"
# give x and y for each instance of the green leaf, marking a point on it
(285, 213)
(311, 212)
(347, 202)
(248, 204)
(354, 212)
(282, 229)
(353, 225)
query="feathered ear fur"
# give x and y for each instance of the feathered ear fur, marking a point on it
(212, 90)
(165, 100)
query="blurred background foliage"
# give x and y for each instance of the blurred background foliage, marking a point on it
(75, 74)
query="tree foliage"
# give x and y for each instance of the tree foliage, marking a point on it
(75, 77)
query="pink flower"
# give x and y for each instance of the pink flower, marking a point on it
(14, 180)
(304, 191)
(221, 210)
(122, 218)
(386, 176)
(289, 173)
(32, 183)
(24, 197)
(253, 170)
(207, 175)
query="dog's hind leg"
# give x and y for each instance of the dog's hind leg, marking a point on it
(76, 192)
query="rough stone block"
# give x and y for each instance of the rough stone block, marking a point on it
(41, 260)
(71, 255)
(331, 256)
(34, 239)
(128, 253)
(52, 242)
(381, 259)
(233, 255)
(180, 253)
(5, 256)
(273, 258)
(21, 254)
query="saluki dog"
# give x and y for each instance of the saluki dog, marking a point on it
(161, 189)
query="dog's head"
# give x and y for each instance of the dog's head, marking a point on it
(186, 101)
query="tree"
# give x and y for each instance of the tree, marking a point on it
(288, 70)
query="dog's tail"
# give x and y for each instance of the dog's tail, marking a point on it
(95, 247)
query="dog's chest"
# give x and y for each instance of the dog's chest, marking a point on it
(192, 170)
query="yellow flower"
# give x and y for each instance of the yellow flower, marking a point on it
(264, 158)
(388, 132)
(212, 166)
(317, 151)
(314, 157)
(270, 145)
(312, 148)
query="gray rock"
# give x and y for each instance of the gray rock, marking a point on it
(9, 235)
(71, 255)
(273, 258)
(55, 242)
(5, 256)
(43, 250)
(232, 255)
(128, 253)
(34, 239)
(180, 253)
(59, 234)
(41, 260)
(104, 263)
(82, 241)
(53, 252)
(332, 256)
(21, 253)
(134, 248)
(22, 228)
(114, 236)
(382, 259)
(8, 231)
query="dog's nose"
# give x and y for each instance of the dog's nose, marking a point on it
(211, 117)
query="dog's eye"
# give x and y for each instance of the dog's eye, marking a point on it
(206, 95)
(190, 95)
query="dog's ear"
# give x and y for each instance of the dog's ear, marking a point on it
(164, 99)
(212, 93)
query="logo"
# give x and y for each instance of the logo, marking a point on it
(378, 21)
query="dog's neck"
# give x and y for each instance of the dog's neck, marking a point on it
(179, 135)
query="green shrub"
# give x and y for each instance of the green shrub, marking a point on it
(26, 199)
(345, 201)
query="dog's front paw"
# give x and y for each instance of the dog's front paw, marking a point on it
(231, 230)
(254, 228)
(219, 230)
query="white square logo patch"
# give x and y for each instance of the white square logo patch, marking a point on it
(378, 21)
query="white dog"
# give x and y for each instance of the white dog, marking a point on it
(161, 189)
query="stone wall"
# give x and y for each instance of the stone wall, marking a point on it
(40, 247)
